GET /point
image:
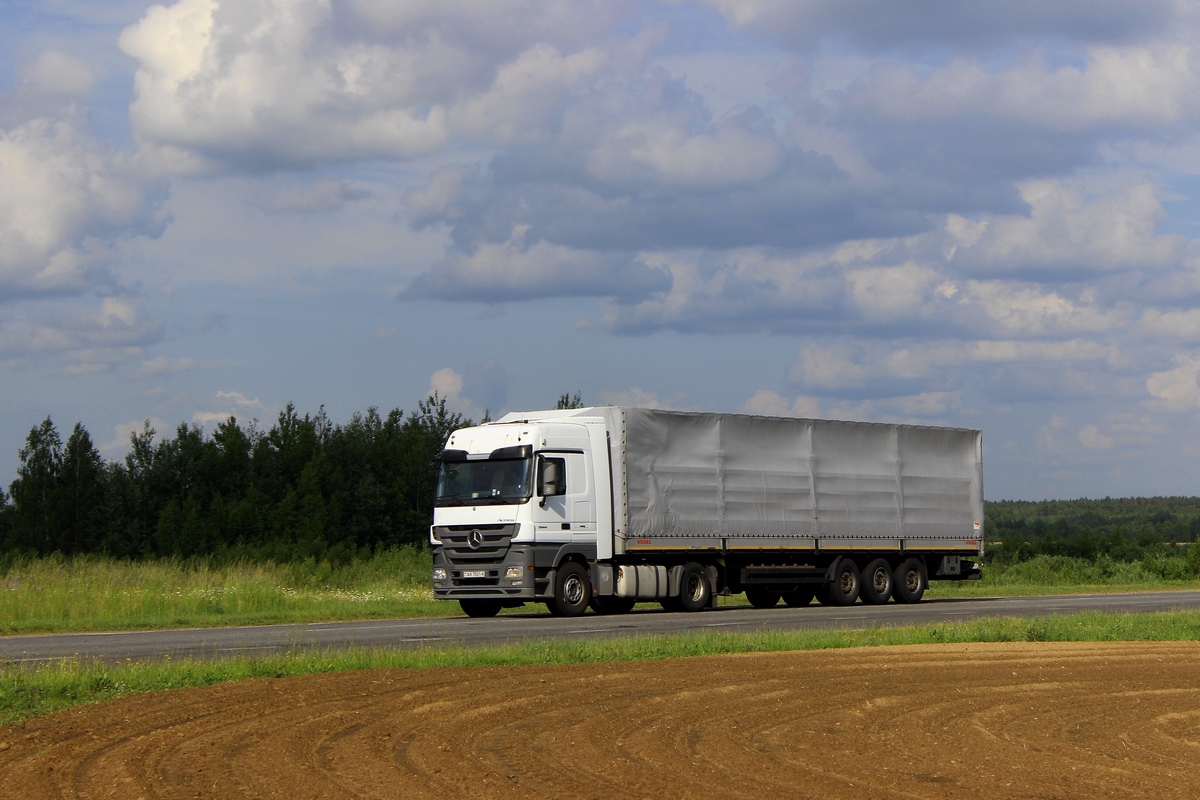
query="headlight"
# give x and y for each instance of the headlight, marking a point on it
(439, 574)
(513, 573)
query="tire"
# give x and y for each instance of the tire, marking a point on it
(611, 604)
(843, 590)
(877, 582)
(762, 598)
(695, 592)
(572, 590)
(800, 597)
(480, 608)
(909, 581)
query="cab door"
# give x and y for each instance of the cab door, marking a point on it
(568, 515)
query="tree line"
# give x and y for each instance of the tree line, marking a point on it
(305, 487)
(1124, 529)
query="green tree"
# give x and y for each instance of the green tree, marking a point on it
(570, 401)
(81, 492)
(35, 520)
(5, 522)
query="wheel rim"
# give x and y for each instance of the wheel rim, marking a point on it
(880, 580)
(912, 579)
(695, 588)
(572, 590)
(847, 582)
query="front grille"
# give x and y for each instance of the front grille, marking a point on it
(464, 545)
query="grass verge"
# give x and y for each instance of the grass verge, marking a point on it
(27, 691)
(90, 593)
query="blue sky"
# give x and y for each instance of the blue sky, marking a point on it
(975, 214)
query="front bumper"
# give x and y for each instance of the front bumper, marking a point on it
(510, 577)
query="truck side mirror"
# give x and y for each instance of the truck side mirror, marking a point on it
(552, 477)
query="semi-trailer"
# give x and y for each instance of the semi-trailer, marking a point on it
(605, 507)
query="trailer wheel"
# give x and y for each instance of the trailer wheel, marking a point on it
(800, 597)
(877, 582)
(611, 604)
(909, 581)
(844, 588)
(762, 598)
(572, 590)
(480, 608)
(694, 592)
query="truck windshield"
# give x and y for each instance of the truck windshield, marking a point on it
(490, 482)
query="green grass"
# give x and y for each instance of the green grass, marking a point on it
(1065, 575)
(89, 593)
(28, 691)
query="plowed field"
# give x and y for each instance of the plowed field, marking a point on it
(964, 721)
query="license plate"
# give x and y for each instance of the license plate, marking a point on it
(474, 573)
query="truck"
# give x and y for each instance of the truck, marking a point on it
(607, 507)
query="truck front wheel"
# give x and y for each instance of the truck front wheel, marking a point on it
(572, 590)
(695, 594)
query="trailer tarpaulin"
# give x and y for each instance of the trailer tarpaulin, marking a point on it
(733, 475)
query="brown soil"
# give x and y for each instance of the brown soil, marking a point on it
(983, 721)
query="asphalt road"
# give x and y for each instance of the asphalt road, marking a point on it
(214, 643)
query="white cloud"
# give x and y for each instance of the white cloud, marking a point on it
(1091, 438)
(893, 292)
(447, 383)
(1067, 231)
(240, 400)
(326, 195)
(1177, 389)
(1017, 309)
(495, 272)
(983, 23)
(118, 446)
(266, 82)
(832, 366)
(635, 397)
(58, 73)
(64, 201)
(161, 365)
(223, 85)
(664, 152)
(81, 339)
(1173, 325)
(773, 404)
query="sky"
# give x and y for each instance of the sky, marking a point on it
(982, 215)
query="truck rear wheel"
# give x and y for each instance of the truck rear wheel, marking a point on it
(909, 581)
(572, 590)
(480, 608)
(762, 598)
(695, 594)
(877, 582)
(844, 588)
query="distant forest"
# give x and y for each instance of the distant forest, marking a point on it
(1122, 529)
(309, 488)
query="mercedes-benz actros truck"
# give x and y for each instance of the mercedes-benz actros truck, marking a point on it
(607, 507)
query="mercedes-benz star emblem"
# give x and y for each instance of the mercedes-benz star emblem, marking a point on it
(475, 539)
